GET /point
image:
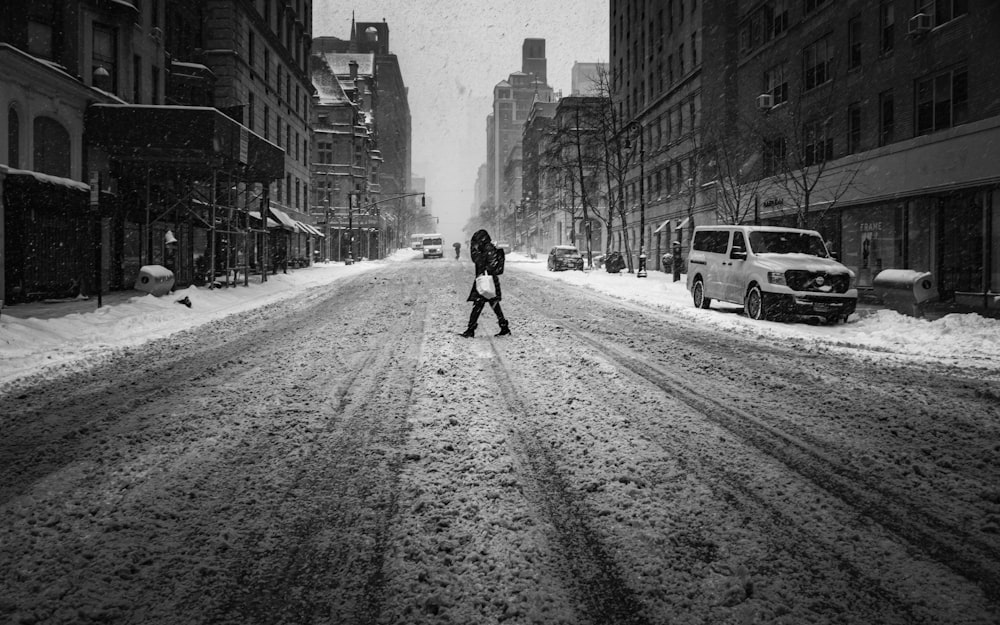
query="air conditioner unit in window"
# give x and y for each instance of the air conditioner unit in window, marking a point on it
(919, 24)
(765, 101)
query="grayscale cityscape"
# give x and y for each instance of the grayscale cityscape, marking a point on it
(575, 312)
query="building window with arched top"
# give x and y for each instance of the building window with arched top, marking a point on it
(51, 155)
(13, 138)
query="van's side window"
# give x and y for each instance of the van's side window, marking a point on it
(738, 242)
(714, 241)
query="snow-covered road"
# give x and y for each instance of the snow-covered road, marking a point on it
(344, 456)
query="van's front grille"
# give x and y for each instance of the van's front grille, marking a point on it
(817, 281)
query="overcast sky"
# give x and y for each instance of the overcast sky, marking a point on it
(451, 54)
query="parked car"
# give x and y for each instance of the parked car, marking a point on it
(772, 272)
(563, 257)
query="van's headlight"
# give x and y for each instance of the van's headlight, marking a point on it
(776, 277)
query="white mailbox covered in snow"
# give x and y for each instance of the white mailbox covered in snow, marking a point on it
(155, 279)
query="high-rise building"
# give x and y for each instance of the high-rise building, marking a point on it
(512, 101)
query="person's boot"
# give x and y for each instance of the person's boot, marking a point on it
(504, 329)
(470, 332)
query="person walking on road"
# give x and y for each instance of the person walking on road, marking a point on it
(458, 248)
(489, 260)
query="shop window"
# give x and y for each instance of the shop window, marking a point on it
(51, 155)
(942, 101)
(13, 138)
(887, 118)
(817, 60)
(887, 27)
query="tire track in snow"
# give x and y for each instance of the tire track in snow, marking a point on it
(923, 530)
(602, 591)
(352, 475)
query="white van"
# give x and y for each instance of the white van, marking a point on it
(433, 245)
(771, 271)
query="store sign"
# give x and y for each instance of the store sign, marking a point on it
(774, 202)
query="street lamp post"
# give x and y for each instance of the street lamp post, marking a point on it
(642, 197)
(350, 228)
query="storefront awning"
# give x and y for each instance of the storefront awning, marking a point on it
(270, 222)
(284, 220)
(684, 224)
(188, 135)
(662, 226)
(308, 229)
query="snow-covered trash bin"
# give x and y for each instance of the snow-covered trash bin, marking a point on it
(154, 279)
(905, 290)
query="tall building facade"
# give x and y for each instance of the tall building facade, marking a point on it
(656, 77)
(177, 185)
(512, 101)
(385, 100)
(874, 122)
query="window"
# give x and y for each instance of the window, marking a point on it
(251, 109)
(774, 153)
(267, 67)
(325, 151)
(680, 57)
(812, 5)
(51, 155)
(13, 139)
(779, 19)
(854, 42)
(887, 27)
(943, 10)
(776, 83)
(106, 53)
(942, 101)
(42, 23)
(694, 49)
(886, 118)
(251, 48)
(136, 79)
(155, 78)
(816, 62)
(267, 123)
(818, 143)
(853, 127)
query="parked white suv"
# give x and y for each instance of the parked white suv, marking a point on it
(771, 271)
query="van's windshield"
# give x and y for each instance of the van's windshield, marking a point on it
(787, 243)
(432, 241)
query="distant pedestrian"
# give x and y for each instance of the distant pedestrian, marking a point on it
(458, 248)
(488, 259)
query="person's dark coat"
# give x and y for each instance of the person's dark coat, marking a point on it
(489, 258)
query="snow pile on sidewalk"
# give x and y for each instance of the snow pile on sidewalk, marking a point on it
(30, 345)
(959, 338)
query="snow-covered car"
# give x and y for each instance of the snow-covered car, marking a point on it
(770, 271)
(562, 257)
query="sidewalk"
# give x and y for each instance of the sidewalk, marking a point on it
(55, 308)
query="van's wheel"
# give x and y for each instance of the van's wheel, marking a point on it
(755, 307)
(698, 294)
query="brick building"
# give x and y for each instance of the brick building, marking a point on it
(877, 123)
